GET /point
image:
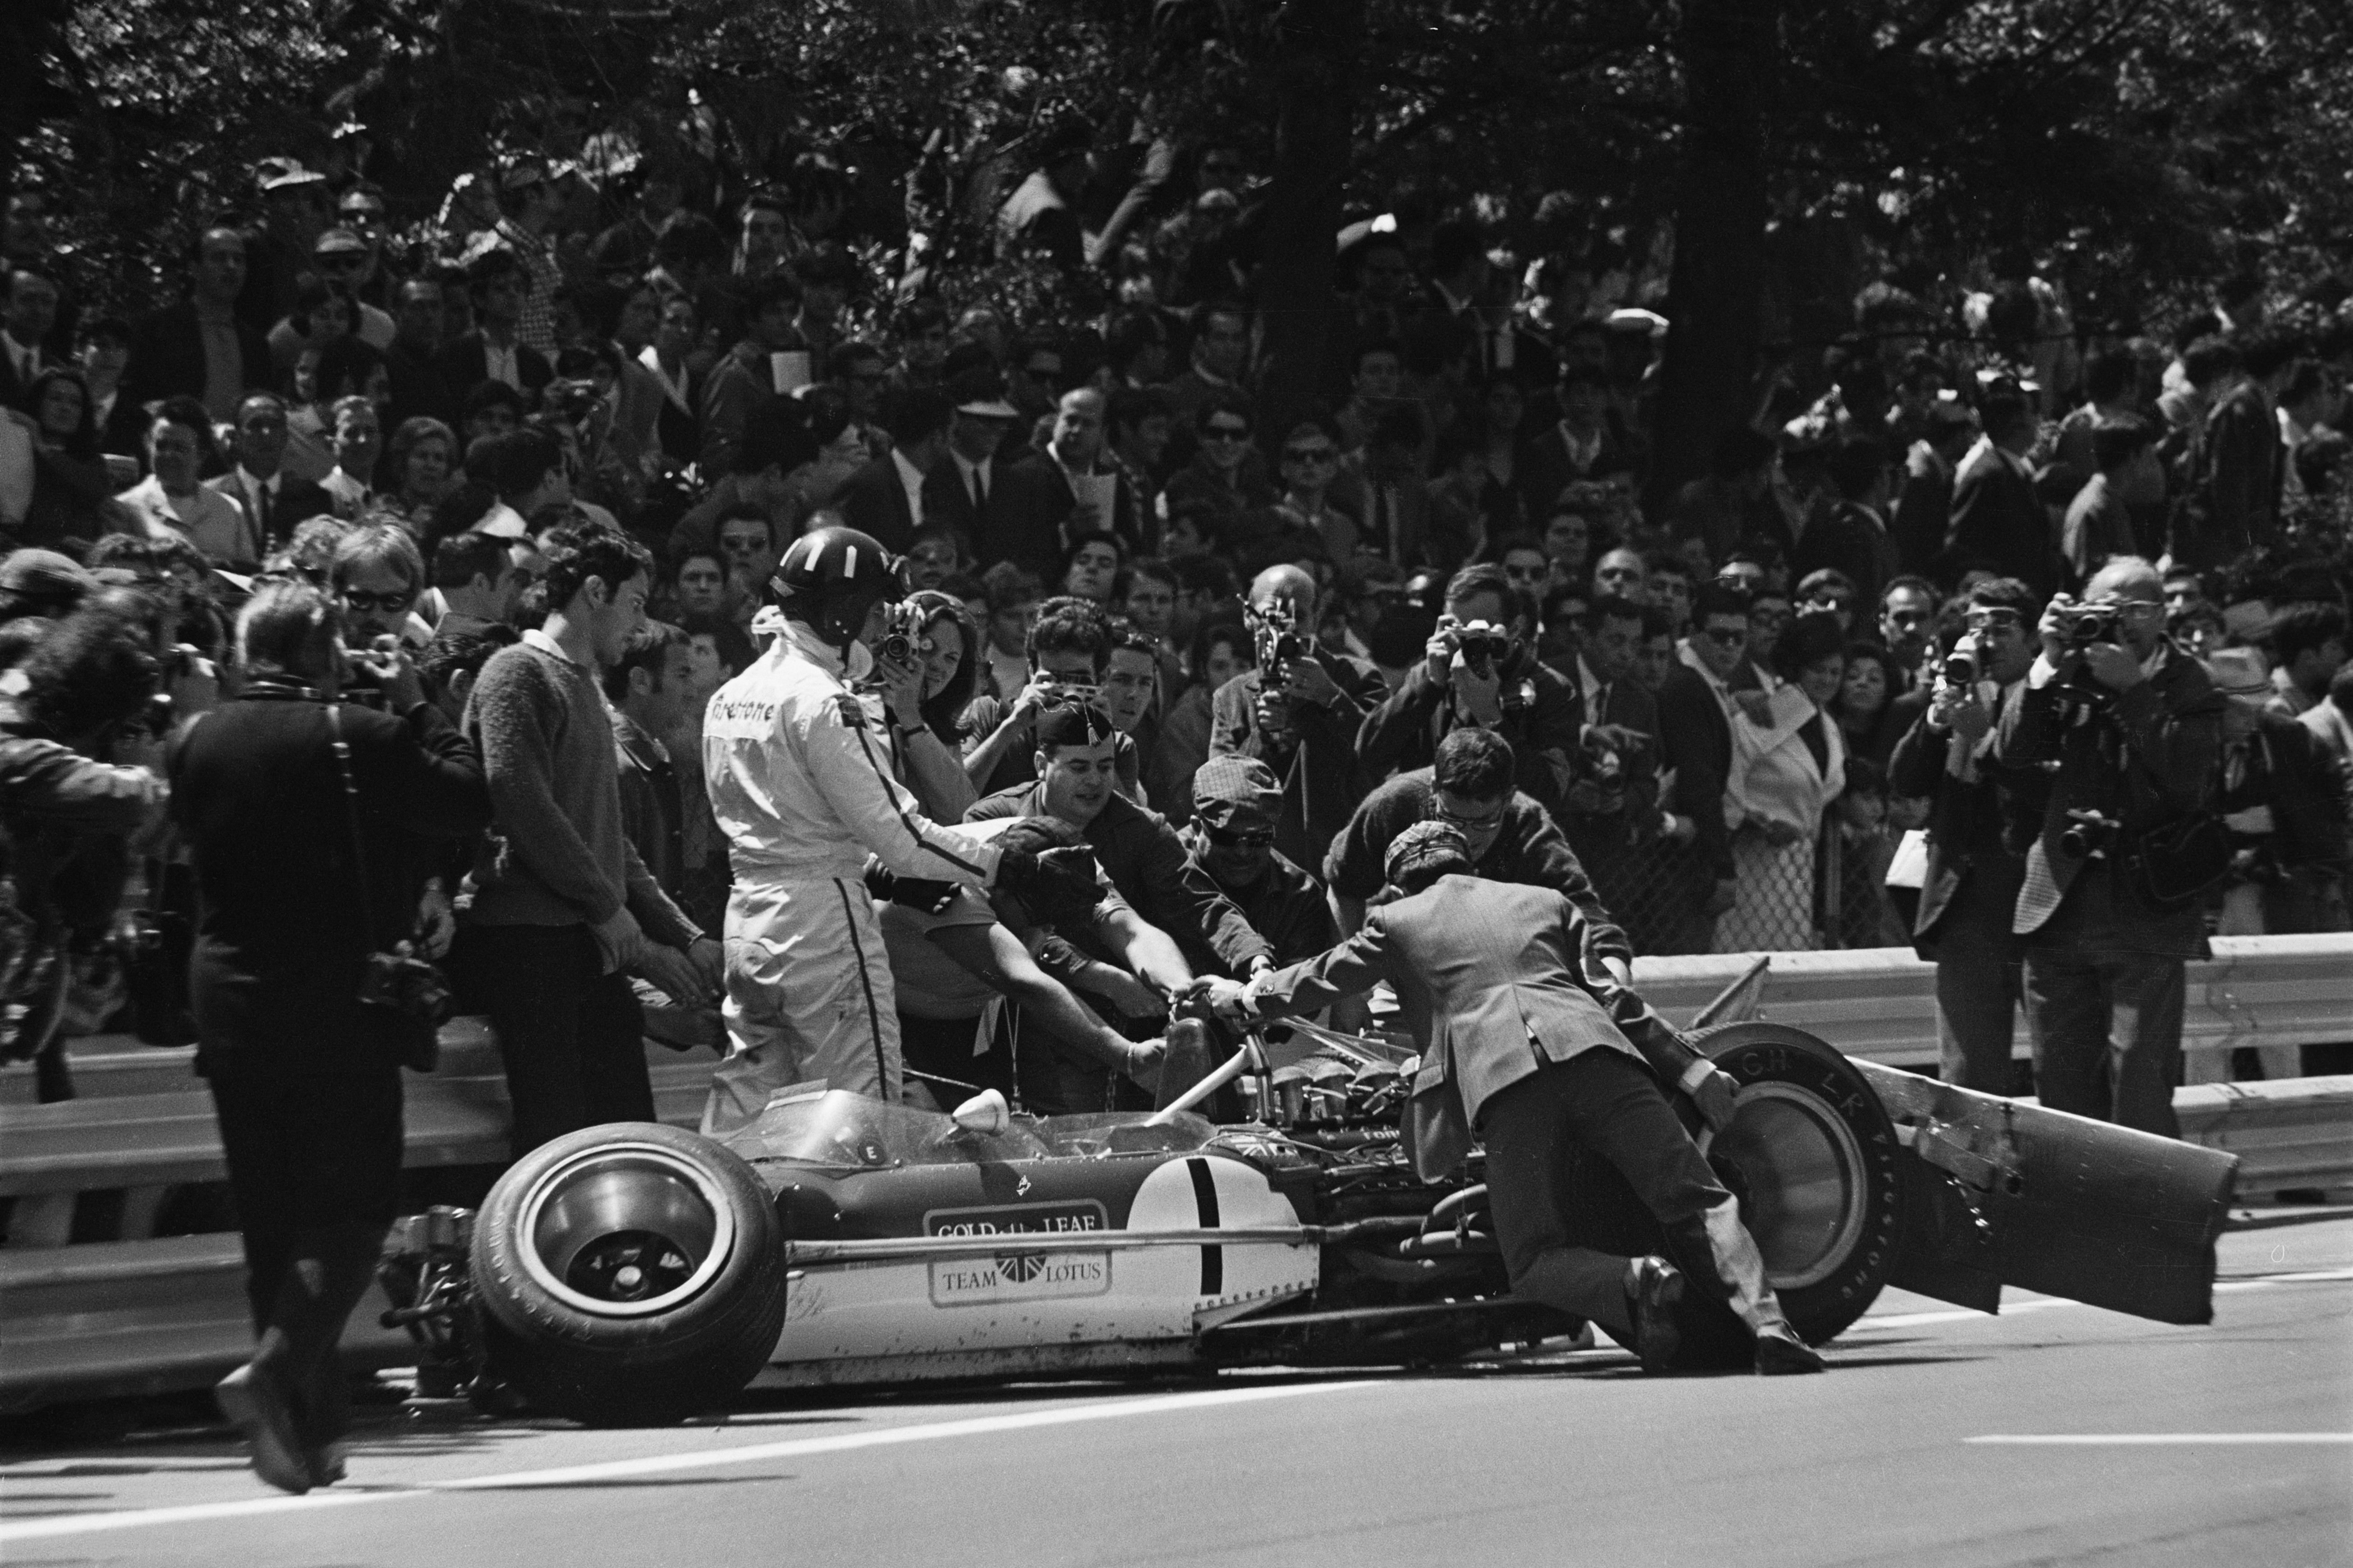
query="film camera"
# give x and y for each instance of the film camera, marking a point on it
(1966, 663)
(2089, 623)
(903, 634)
(1278, 637)
(1483, 647)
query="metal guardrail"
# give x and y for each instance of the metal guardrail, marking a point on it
(2294, 1132)
(145, 1316)
(1880, 1004)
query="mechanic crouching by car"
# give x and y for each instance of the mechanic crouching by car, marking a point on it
(298, 811)
(1970, 893)
(800, 782)
(1524, 1051)
(2127, 728)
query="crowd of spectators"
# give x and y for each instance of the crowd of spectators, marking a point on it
(1692, 700)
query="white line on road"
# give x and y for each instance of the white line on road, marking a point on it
(654, 1464)
(2036, 1303)
(2103, 1440)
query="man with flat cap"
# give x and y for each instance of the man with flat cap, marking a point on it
(1522, 1050)
(1236, 803)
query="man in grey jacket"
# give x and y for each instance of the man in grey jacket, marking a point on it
(1522, 1050)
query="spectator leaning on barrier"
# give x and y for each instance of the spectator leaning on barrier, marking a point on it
(1511, 837)
(2128, 728)
(1969, 892)
(298, 810)
(564, 910)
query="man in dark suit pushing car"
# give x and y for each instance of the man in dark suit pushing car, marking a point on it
(1524, 1050)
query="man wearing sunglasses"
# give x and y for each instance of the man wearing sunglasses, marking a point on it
(1236, 805)
(1696, 702)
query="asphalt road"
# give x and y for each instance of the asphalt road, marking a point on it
(2053, 1434)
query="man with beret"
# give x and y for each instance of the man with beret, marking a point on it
(1139, 852)
(1236, 805)
(1524, 1050)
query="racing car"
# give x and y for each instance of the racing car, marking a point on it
(635, 1273)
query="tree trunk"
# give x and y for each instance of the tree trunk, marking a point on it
(1716, 292)
(1317, 44)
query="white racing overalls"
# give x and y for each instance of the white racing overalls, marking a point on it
(801, 784)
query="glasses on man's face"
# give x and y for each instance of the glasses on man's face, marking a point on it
(1225, 839)
(383, 604)
(1318, 455)
(1468, 821)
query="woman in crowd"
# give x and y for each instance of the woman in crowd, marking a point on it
(172, 502)
(72, 491)
(1868, 719)
(1224, 473)
(1221, 650)
(417, 463)
(924, 700)
(300, 813)
(1784, 772)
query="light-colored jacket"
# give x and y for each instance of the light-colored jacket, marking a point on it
(1773, 769)
(801, 784)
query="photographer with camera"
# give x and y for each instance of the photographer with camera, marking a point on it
(1299, 711)
(72, 793)
(297, 809)
(2128, 729)
(1970, 892)
(1476, 671)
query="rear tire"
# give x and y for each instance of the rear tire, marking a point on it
(629, 1274)
(1813, 1157)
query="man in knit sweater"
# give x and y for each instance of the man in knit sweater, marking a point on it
(564, 910)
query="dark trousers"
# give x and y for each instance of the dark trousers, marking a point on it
(1979, 985)
(2107, 1034)
(1600, 1100)
(571, 1036)
(314, 1165)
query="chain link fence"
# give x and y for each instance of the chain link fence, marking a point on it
(1829, 892)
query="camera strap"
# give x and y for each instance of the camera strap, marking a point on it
(352, 818)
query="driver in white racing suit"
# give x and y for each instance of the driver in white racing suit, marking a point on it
(801, 784)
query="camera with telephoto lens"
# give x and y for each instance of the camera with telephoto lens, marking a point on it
(2088, 623)
(2088, 835)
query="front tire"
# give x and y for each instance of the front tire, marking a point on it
(630, 1274)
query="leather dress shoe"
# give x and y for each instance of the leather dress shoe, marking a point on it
(251, 1397)
(325, 1463)
(1650, 1300)
(1781, 1353)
